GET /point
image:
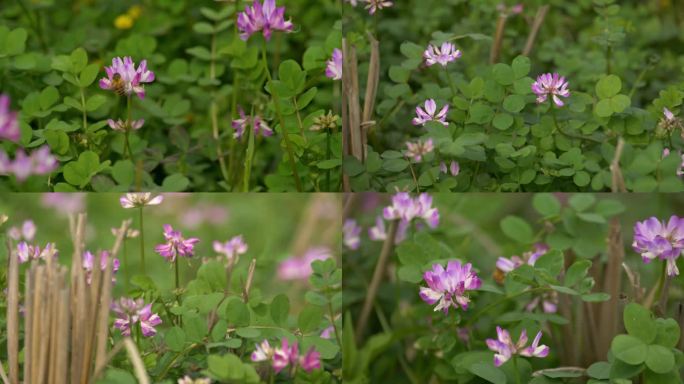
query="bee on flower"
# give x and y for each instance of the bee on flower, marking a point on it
(124, 79)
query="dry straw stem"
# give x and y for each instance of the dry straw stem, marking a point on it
(248, 283)
(536, 25)
(3, 375)
(371, 91)
(498, 39)
(136, 360)
(608, 320)
(13, 313)
(618, 182)
(351, 117)
(380, 267)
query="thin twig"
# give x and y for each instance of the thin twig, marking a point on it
(618, 181)
(536, 25)
(248, 284)
(136, 360)
(375, 281)
(13, 313)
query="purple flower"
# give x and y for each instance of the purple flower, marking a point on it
(27, 252)
(454, 168)
(551, 84)
(299, 268)
(123, 126)
(65, 203)
(506, 11)
(9, 124)
(441, 55)
(241, 124)
(374, 5)
(548, 301)
(506, 265)
(430, 114)
(89, 262)
(285, 355)
(656, 239)
(232, 248)
(266, 18)
(328, 333)
(140, 199)
(447, 287)
(505, 348)
(311, 360)
(27, 231)
(124, 79)
(189, 380)
(130, 312)
(175, 245)
(262, 351)
(406, 209)
(40, 162)
(334, 68)
(379, 233)
(352, 232)
(666, 112)
(419, 149)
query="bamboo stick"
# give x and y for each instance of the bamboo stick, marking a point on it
(13, 314)
(138, 366)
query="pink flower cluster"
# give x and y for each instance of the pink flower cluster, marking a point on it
(265, 18)
(130, 312)
(352, 234)
(406, 208)
(259, 124)
(39, 162)
(140, 199)
(418, 149)
(655, 239)
(505, 348)
(89, 263)
(299, 267)
(447, 287)
(27, 252)
(334, 65)
(286, 355)
(125, 79)
(231, 249)
(9, 123)
(442, 55)
(430, 114)
(176, 245)
(551, 85)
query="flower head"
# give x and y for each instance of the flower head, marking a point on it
(125, 79)
(260, 127)
(39, 162)
(265, 18)
(123, 126)
(352, 232)
(447, 287)
(140, 199)
(26, 232)
(406, 208)
(442, 55)
(551, 84)
(454, 168)
(299, 268)
(430, 114)
(334, 68)
(287, 354)
(375, 5)
(505, 348)
(27, 252)
(175, 245)
(65, 203)
(508, 264)
(668, 124)
(232, 248)
(311, 360)
(131, 311)
(657, 239)
(418, 149)
(379, 233)
(325, 121)
(9, 123)
(190, 380)
(89, 262)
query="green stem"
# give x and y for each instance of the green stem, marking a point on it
(142, 239)
(249, 157)
(566, 134)
(214, 114)
(451, 82)
(501, 301)
(286, 137)
(129, 124)
(515, 368)
(328, 156)
(85, 114)
(125, 257)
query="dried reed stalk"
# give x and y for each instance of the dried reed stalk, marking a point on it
(498, 39)
(536, 25)
(607, 322)
(3, 375)
(618, 182)
(13, 314)
(248, 283)
(136, 360)
(351, 120)
(371, 92)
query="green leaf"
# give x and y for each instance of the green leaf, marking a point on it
(514, 103)
(48, 97)
(195, 328)
(237, 313)
(546, 204)
(619, 103)
(503, 74)
(88, 75)
(639, 322)
(581, 201)
(599, 370)
(517, 229)
(175, 183)
(123, 172)
(175, 339)
(521, 66)
(203, 28)
(576, 273)
(292, 75)
(629, 349)
(81, 171)
(604, 108)
(57, 140)
(502, 121)
(668, 333)
(15, 42)
(310, 319)
(488, 372)
(280, 308)
(660, 359)
(595, 297)
(79, 59)
(552, 262)
(95, 102)
(608, 86)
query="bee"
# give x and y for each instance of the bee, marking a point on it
(118, 85)
(499, 276)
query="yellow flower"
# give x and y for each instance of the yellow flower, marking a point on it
(123, 22)
(134, 11)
